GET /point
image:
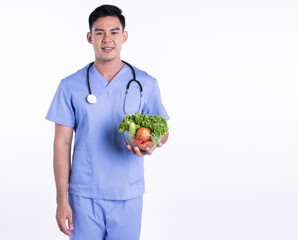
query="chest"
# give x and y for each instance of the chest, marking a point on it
(113, 102)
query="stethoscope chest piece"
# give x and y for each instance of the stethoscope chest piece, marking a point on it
(91, 98)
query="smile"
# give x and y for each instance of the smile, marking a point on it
(107, 49)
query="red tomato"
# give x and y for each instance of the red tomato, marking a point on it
(148, 143)
(136, 142)
(133, 141)
(142, 147)
(143, 134)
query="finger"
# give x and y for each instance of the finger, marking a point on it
(63, 228)
(159, 144)
(58, 223)
(66, 231)
(70, 223)
(149, 151)
(60, 228)
(138, 152)
(129, 148)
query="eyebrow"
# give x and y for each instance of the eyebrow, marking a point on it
(112, 29)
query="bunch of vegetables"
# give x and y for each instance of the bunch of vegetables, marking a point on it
(146, 128)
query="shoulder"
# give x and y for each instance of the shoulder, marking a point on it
(145, 78)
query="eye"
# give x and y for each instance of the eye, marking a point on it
(99, 33)
(114, 33)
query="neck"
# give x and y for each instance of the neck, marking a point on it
(108, 69)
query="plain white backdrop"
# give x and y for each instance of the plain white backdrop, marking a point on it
(228, 75)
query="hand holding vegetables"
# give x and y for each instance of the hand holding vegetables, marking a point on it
(137, 151)
(143, 132)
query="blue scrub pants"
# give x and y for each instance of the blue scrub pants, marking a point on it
(96, 219)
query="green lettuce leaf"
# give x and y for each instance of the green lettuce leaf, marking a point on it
(155, 123)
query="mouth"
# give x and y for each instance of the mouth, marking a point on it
(107, 49)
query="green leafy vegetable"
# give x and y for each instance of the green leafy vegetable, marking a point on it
(156, 124)
(132, 128)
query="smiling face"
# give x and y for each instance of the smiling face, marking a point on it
(107, 37)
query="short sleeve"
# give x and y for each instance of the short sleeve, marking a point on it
(61, 110)
(154, 104)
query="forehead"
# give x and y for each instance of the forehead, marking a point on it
(107, 23)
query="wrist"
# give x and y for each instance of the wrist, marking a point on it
(61, 199)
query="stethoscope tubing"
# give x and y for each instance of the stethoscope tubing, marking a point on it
(88, 82)
(127, 86)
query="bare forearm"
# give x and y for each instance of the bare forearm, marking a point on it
(62, 160)
(61, 170)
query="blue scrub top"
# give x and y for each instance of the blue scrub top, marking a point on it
(102, 166)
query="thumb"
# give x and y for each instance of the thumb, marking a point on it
(70, 223)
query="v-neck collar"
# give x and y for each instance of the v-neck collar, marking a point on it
(96, 77)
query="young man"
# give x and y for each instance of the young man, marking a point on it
(100, 193)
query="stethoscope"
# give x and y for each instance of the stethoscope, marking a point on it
(91, 98)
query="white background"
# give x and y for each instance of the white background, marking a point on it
(228, 75)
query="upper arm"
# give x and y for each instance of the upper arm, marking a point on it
(63, 134)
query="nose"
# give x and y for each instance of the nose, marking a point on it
(107, 38)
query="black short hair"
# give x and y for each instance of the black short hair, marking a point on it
(105, 11)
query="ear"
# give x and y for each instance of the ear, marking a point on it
(125, 36)
(89, 37)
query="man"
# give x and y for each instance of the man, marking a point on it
(100, 193)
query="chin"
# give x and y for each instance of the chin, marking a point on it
(107, 59)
